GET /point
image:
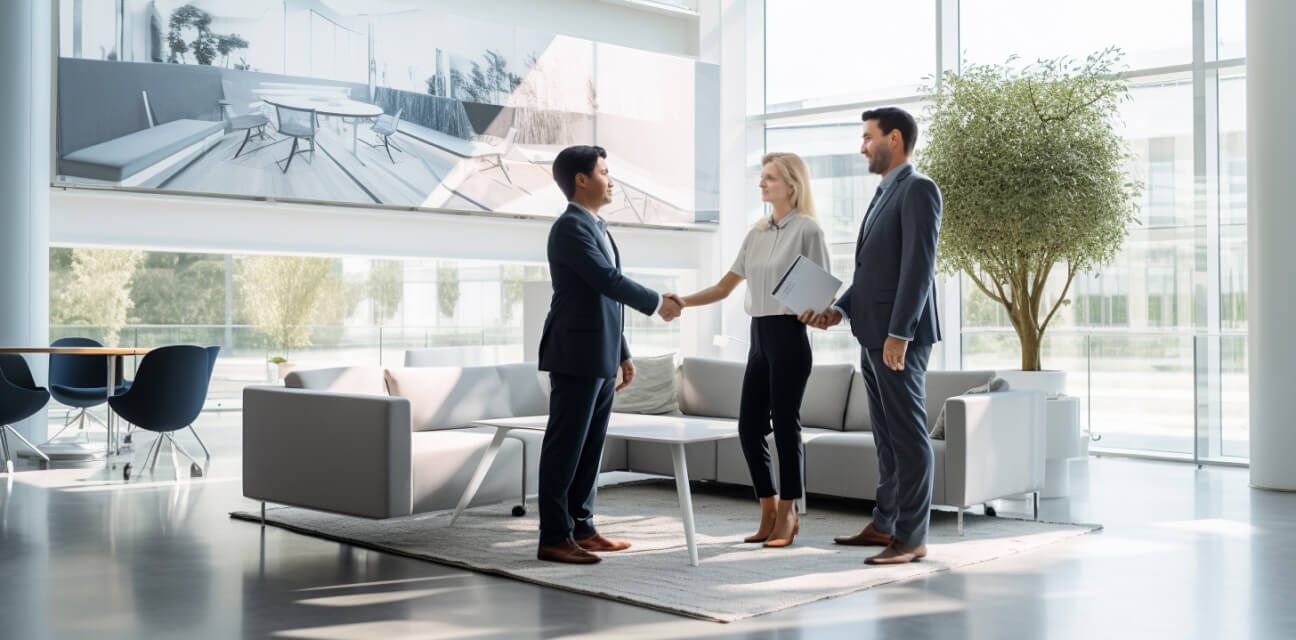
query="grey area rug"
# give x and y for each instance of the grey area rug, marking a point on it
(734, 581)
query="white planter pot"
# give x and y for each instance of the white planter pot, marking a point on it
(1052, 383)
(285, 368)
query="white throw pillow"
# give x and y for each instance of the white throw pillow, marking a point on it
(653, 388)
(938, 427)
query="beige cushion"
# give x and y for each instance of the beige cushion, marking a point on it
(450, 397)
(938, 427)
(653, 388)
(365, 380)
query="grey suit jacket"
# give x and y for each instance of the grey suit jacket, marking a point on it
(893, 291)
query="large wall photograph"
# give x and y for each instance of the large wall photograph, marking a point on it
(380, 103)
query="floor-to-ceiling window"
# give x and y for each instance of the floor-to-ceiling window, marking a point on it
(1154, 343)
(312, 311)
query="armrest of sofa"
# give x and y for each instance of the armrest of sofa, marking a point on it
(345, 453)
(994, 446)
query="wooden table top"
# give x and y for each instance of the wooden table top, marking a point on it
(81, 351)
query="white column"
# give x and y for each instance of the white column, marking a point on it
(1271, 233)
(26, 30)
(741, 54)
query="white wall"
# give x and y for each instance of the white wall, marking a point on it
(612, 22)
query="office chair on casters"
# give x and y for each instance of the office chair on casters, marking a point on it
(78, 382)
(168, 394)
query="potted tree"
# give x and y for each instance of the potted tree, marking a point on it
(282, 295)
(1031, 168)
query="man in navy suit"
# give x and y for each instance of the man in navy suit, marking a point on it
(891, 305)
(582, 348)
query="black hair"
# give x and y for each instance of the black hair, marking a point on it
(891, 118)
(581, 158)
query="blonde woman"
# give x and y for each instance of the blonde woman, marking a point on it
(778, 361)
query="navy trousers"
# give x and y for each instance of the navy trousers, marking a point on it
(571, 455)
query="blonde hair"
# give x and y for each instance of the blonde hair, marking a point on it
(792, 169)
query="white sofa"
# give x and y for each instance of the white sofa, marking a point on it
(383, 443)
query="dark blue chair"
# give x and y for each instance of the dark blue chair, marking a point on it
(80, 382)
(20, 399)
(167, 395)
(212, 353)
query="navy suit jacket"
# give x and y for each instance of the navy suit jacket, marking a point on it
(584, 331)
(893, 291)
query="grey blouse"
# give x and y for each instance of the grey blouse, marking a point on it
(768, 251)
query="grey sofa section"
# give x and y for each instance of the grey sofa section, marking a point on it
(356, 461)
(713, 388)
(340, 379)
(993, 448)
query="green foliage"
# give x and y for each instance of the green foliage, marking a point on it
(447, 289)
(92, 287)
(179, 289)
(385, 288)
(1031, 169)
(283, 295)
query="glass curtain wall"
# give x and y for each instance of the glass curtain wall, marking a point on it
(312, 311)
(1154, 344)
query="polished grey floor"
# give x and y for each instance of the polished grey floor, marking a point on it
(1184, 553)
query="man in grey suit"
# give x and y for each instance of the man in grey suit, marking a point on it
(891, 305)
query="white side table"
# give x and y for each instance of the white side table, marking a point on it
(1062, 444)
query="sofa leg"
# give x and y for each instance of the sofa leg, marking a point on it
(1035, 498)
(520, 510)
(263, 514)
(960, 521)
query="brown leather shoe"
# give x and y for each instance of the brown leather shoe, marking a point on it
(597, 542)
(868, 537)
(899, 553)
(566, 551)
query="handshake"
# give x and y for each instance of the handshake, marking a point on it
(671, 306)
(822, 320)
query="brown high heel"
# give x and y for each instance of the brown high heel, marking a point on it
(775, 540)
(769, 509)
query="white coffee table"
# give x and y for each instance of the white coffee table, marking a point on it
(675, 431)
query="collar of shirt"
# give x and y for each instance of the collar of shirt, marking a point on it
(786, 220)
(596, 216)
(890, 178)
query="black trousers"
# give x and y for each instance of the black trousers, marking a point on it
(571, 454)
(778, 366)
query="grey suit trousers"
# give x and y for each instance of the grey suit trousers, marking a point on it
(906, 464)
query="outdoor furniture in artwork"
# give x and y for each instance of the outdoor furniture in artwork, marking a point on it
(299, 124)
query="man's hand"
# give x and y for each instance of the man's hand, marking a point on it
(830, 317)
(893, 353)
(671, 306)
(627, 374)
